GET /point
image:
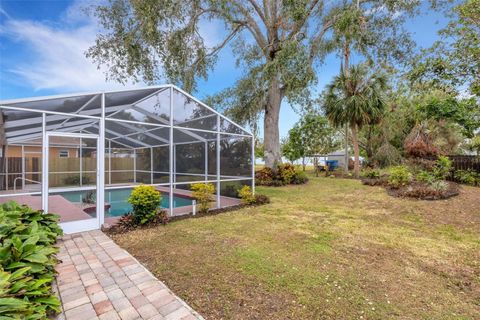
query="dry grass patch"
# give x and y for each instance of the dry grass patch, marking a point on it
(330, 249)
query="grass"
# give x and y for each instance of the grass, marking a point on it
(330, 249)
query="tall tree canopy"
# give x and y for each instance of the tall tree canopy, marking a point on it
(277, 42)
(454, 61)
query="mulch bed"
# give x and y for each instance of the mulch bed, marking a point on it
(422, 191)
(125, 224)
(416, 189)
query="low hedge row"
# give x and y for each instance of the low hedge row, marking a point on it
(27, 262)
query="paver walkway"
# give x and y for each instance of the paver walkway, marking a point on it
(99, 280)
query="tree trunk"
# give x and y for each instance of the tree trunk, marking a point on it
(303, 163)
(271, 123)
(356, 151)
(346, 59)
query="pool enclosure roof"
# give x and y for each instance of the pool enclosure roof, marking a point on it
(134, 118)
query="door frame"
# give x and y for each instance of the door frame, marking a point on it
(80, 225)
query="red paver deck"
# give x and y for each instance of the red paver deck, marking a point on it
(99, 280)
(56, 204)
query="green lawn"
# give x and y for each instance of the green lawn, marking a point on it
(331, 249)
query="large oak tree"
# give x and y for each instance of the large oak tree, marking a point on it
(277, 42)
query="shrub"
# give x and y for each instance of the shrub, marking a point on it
(261, 199)
(27, 261)
(282, 175)
(469, 177)
(145, 201)
(203, 193)
(399, 176)
(442, 168)
(386, 155)
(438, 190)
(286, 172)
(425, 176)
(75, 180)
(420, 164)
(371, 174)
(419, 142)
(264, 177)
(231, 190)
(300, 177)
(246, 195)
(439, 186)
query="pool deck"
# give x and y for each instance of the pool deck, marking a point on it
(99, 280)
(69, 211)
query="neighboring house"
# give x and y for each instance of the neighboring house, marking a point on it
(28, 159)
(60, 147)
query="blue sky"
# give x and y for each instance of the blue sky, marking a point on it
(42, 45)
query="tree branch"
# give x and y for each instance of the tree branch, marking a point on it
(219, 47)
(259, 11)
(315, 46)
(253, 27)
(298, 26)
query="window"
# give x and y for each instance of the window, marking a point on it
(63, 153)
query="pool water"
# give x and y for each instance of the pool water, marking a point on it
(118, 201)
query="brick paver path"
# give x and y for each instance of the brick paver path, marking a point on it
(99, 280)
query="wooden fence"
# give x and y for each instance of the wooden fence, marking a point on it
(63, 171)
(463, 162)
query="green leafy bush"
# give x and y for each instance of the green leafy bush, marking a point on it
(145, 201)
(399, 176)
(469, 177)
(231, 189)
(300, 177)
(442, 168)
(203, 193)
(27, 261)
(425, 176)
(371, 173)
(246, 195)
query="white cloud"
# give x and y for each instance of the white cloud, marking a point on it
(57, 53)
(56, 59)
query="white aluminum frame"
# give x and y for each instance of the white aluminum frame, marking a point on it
(87, 122)
(78, 225)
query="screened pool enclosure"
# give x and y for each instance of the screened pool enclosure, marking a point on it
(79, 155)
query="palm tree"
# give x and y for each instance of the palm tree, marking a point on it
(355, 98)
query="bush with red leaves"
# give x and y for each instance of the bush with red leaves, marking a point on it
(419, 144)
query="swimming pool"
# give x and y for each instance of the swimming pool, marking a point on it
(117, 199)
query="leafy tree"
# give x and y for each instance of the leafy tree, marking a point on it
(276, 42)
(310, 136)
(440, 106)
(259, 149)
(454, 61)
(474, 144)
(356, 100)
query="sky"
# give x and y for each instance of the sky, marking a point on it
(42, 46)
